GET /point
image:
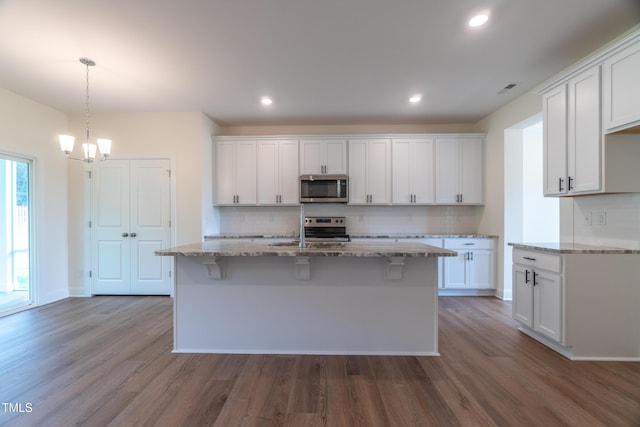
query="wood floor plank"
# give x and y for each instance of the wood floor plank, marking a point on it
(107, 361)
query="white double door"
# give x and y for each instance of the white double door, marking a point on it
(130, 220)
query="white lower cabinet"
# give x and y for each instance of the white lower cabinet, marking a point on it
(472, 272)
(473, 268)
(583, 305)
(537, 301)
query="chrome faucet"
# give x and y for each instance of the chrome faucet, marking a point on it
(302, 243)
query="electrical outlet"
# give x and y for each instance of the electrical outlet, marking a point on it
(600, 218)
(586, 219)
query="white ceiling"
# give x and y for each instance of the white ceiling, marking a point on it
(322, 61)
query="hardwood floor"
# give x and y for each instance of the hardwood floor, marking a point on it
(107, 361)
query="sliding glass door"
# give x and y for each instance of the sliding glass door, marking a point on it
(15, 234)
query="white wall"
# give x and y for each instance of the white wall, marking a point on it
(346, 129)
(540, 215)
(622, 225)
(184, 138)
(29, 129)
(492, 215)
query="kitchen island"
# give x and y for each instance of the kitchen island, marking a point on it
(346, 298)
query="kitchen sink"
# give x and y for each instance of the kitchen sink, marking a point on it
(291, 243)
(312, 245)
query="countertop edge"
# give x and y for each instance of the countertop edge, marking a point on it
(555, 248)
(356, 236)
(231, 249)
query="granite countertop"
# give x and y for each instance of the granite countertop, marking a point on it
(572, 248)
(355, 249)
(423, 236)
(355, 236)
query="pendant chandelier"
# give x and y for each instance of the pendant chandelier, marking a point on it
(90, 149)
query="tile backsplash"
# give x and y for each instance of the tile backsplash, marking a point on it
(608, 220)
(360, 219)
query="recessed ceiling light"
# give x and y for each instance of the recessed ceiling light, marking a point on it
(478, 20)
(265, 100)
(415, 98)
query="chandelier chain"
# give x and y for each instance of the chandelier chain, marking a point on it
(87, 102)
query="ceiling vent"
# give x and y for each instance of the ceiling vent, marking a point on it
(507, 87)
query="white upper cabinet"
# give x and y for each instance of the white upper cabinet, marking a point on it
(584, 148)
(235, 172)
(319, 156)
(370, 171)
(554, 116)
(572, 136)
(459, 170)
(413, 171)
(277, 172)
(592, 123)
(622, 89)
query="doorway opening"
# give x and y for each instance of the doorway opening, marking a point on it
(528, 215)
(16, 287)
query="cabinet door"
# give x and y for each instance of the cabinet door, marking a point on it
(267, 172)
(584, 133)
(455, 271)
(547, 301)
(311, 156)
(402, 175)
(358, 172)
(622, 89)
(471, 171)
(554, 112)
(225, 173)
(523, 295)
(447, 171)
(422, 171)
(335, 157)
(288, 167)
(481, 270)
(379, 171)
(245, 172)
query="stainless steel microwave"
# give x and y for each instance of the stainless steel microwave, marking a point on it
(324, 189)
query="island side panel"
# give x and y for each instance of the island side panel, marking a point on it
(348, 307)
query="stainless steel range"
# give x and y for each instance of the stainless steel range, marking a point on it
(326, 229)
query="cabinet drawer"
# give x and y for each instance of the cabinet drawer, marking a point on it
(468, 243)
(539, 260)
